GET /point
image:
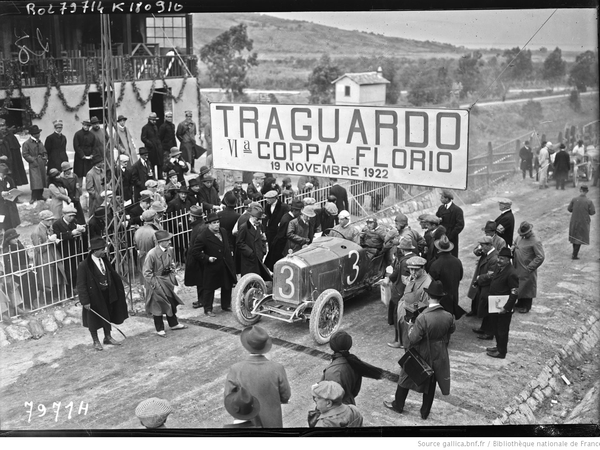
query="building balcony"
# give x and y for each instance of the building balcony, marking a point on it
(38, 72)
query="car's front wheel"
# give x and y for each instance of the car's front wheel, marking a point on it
(326, 316)
(250, 288)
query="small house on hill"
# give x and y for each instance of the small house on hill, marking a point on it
(364, 88)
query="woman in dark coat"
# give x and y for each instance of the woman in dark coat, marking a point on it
(8, 209)
(429, 335)
(9, 146)
(100, 289)
(346, 369)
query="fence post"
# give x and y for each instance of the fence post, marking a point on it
(490, 162)
(517, 157)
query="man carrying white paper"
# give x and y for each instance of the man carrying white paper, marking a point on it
(504, 285)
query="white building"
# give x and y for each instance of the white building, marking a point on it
(365, 88)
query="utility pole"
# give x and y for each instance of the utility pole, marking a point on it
(116, 226)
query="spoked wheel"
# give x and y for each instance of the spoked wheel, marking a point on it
(326, 316)
(250, 288)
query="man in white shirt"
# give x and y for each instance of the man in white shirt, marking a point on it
(544, 159)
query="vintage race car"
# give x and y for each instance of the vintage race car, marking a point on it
(310, 284)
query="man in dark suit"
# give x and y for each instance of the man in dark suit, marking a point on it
(526, 156)
(71, 235)
(274, 211)
(505, 222)
(504, 281)
(452, 218)
(213, 250)
(228, 217)
(251, 246)
(277, 249)
(141, 172)
(562, 165)
(127, 193)
(193, 267)
(488, 257)
(208, 196)
(341, 195)
(56, 146)
(449, 270)
(152, 143)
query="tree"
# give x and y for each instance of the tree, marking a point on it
(229, 58)
(390, 73)
(522, 67)
(430, 86)
(319, 81)
(554, 66)
(468, 73)
(585, 71)
(532, 113)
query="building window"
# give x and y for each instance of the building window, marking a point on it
(347, 91)
(165, 31)
(95, 103)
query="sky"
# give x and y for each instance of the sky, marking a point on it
(569, 29)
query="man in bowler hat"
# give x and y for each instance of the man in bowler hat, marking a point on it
(101, 293)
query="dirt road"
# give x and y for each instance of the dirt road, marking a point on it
(189, 367)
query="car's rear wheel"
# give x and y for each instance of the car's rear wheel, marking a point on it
(326, 316)
(251, 287)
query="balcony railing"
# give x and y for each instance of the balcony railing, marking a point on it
(80, 70)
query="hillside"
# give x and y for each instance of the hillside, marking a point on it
(276, 38)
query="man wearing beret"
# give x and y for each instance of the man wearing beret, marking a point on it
(56, 146)
(85, 145)
(505, 222)
(159, 272)
(504, 282)
(264, 379)
(328, 396)
(152, 144)
(452, 218)
(214, 251)
(101, 293)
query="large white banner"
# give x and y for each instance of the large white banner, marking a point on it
(426, 147)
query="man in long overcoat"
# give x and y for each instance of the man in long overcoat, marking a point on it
(51, 276)
(581, 208)
(213, 250)
(86, 146)
(488, 256)
(124, 140)
(8, 208)
(526, 156)
(159, 273)
(414, 298)
(186, 134)
(141, 171)
(250, 244)
(264, 379)
(35, 154)
(449, 270)
(100, 290)
(10, 147)
(562, 165)
(430, 335)
(276, 250)
(95, 184)
(505, 222)
(528, 256)
(56, 146)
(166, 134)
(504, 282)
(452, 218)
(274, 211)
(341, 195)
(193, 267)
(152, 144)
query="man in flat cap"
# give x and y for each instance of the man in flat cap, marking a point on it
(125, 142)
(56, 146)
(186, 134)
(85, 146)
(299, 233)
(152, 144)
(488, 257)
(434, 231)
(101, 137)
(141, 172)
(528, 253)
(452, 218)
(166, 134)
(35, 154)
(415, 297)
(505, 222)
(10, 147)
(153, 412)
(266, 380)
(159, 272)
(95, 183)
(328, 396)
(101, 293)
(581, 208)
(255, 187)
(215, 253)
